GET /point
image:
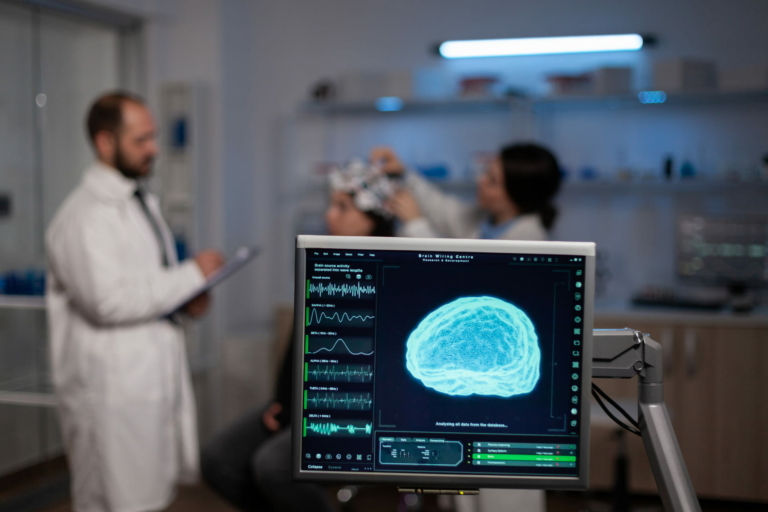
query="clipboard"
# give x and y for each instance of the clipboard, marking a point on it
(241, 258)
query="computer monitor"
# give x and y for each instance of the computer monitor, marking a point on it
(726, 250)
(442, 364)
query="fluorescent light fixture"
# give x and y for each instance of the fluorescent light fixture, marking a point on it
(389, 104)
(651, 97)
(540, 46)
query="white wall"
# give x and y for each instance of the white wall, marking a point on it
(260, 58)
(254, 62)
(299, 41)
(18, 241)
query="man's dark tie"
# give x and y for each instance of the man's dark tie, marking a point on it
(153, 222)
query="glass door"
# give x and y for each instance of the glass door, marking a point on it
(19, 187)
(78, 62)
(53, 66)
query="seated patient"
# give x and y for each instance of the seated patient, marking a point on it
(249, 462)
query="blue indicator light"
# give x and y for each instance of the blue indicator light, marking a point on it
(389, 104)
(652, 97)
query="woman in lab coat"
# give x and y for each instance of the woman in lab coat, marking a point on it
(514, 202)
(514, 198)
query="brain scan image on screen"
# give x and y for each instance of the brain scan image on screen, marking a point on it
(475, 345)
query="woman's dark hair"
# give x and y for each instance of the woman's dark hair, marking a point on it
(382, 226)
(531, 179)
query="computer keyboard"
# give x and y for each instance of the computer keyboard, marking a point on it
(670, 299)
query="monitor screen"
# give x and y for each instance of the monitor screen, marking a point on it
(442, 363)
(723, 249)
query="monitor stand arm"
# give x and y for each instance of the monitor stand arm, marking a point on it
(624, 354)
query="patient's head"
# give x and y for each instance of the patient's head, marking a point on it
(358, 194)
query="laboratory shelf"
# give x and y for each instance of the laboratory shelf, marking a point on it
(539, 104)
(637, 185)
(411, 106)
(633, 100)
(22, 301)
(31, 391)
(27, 398)
(660, 186)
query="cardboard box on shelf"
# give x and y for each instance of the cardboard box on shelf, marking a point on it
(685, 75)
(611, 81)
(365, 86)
(399, 83)
(478, 86)
(360, 86)
(751, 78)
(571, 85)
(434, 83)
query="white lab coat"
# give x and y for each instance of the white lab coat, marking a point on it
(120, 373)
(450, 217)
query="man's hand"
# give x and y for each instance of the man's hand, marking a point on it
(404, 206)
(198, 306)
(386, 158)
(209, 261)
(268, 418)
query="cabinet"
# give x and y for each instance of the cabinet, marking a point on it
(28, 426)
(715, 389)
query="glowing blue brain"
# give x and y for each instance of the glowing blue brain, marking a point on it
(475, 345)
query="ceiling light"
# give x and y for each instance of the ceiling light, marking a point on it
(540, 46)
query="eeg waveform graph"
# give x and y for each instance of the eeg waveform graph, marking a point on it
(338, 373)
(337, 400)
(340, 290)
(341, 428)
(340, 318)
(349, 345)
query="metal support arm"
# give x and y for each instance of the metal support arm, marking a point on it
(624, 354)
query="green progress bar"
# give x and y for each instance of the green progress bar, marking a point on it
(306, 344)
(305, 399)
(307, 288)
(537, 458)
(306, 372)
(305, 428)
(307, 317)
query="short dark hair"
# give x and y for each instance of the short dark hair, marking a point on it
(382, 226)
(106, 113)
(531, 179)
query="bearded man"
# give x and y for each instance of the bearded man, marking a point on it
(118, 359)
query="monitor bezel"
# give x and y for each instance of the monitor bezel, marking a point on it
(437, 480)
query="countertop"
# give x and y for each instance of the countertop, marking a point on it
(622, 312)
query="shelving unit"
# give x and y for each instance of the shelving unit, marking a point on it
(684, 186)
(413, 106)
(37, 390)
(544, 103)
(26, 390)
(632, 100)
(530, 107)
(639, 186)
(38, 395)
(22, 302)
